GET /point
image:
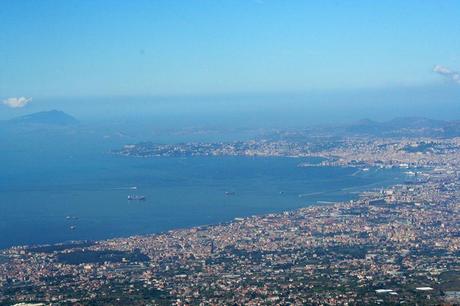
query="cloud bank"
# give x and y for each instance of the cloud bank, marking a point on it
(454, 76)
(17, 102)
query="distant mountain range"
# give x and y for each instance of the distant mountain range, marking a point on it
(398, 127)
(48, 118)
(406, 126)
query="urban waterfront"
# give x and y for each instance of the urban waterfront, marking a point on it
(91, 194)
(391, 245)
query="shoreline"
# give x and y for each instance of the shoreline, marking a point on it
(320, 203)
(398, 244)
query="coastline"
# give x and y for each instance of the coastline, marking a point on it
(352, 193)
(175, 200)
(365, 250)
(320, 203)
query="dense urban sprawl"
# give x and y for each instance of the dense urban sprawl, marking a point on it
(389, 246)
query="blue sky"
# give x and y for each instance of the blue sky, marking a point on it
(109, 48)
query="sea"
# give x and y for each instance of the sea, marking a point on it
(58, 187)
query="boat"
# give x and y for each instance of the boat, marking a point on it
(136, 198)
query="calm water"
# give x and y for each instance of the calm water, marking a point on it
(40, 185)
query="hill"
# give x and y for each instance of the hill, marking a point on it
(405, 126)
(52, 118)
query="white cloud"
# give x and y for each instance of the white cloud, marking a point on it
(17, 102)
(448, 73)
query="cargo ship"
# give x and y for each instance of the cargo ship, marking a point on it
(136, 198)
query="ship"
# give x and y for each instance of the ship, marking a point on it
(136, 198)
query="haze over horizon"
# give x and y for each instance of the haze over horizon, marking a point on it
(235, 58)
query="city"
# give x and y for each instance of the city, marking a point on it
(229, 152)
(390, 246)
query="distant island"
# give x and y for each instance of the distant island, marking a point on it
(52, 117)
